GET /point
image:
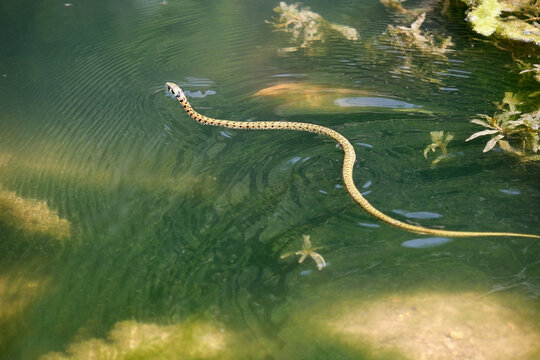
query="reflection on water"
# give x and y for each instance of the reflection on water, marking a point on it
(174, 232)
(425, 242)
(373, 102)
(302, 98)
(418, 214)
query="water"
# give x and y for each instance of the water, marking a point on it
(147, 235)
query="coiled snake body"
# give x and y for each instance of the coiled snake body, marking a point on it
(348, 163)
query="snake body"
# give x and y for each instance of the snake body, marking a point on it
(348, 163)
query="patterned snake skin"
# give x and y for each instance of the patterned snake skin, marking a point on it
(348, 163)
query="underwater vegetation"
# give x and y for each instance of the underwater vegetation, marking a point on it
(536, 70)
(306, 26)
(19, 290)
(508, 19)
(133, 340)
(308, 250)
(32, 216)
(515, 132)
(514, 127)
(420, 325)
(439, 140)
(405, 38)
(415, 45)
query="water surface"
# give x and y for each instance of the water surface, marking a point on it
(141, 225)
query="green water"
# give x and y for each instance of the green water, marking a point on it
(182, 227)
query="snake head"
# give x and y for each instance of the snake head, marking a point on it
(175, 90)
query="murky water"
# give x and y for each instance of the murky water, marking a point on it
(127, 230)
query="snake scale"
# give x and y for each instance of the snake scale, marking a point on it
(348, 163)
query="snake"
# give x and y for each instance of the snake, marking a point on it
(347, 169)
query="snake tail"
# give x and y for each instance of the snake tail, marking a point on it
(347, 170)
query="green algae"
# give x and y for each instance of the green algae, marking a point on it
(513, 20)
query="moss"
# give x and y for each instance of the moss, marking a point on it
(514, 20)
(520, 31)
(485, 17)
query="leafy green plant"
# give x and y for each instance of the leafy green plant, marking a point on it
(511, 128)
(439, 140)
(515, 20)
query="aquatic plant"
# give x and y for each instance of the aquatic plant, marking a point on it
(306, 26)
(133, 340)
(20, 288)
(438, 141)
(515, 127)
(410, 39)
(405, 38)
(308, 250)
(535, 69)
(508, 19)
(31, 216)
(510, 128)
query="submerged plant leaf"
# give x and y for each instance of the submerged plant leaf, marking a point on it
(535, 69)
(511, 125)
(481, 133)
(438, 141)
(491, 143)
(415, 26)
(308, 250)
(511, 100)
(482, 123)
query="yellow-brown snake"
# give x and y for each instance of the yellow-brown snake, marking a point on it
(348, 162)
